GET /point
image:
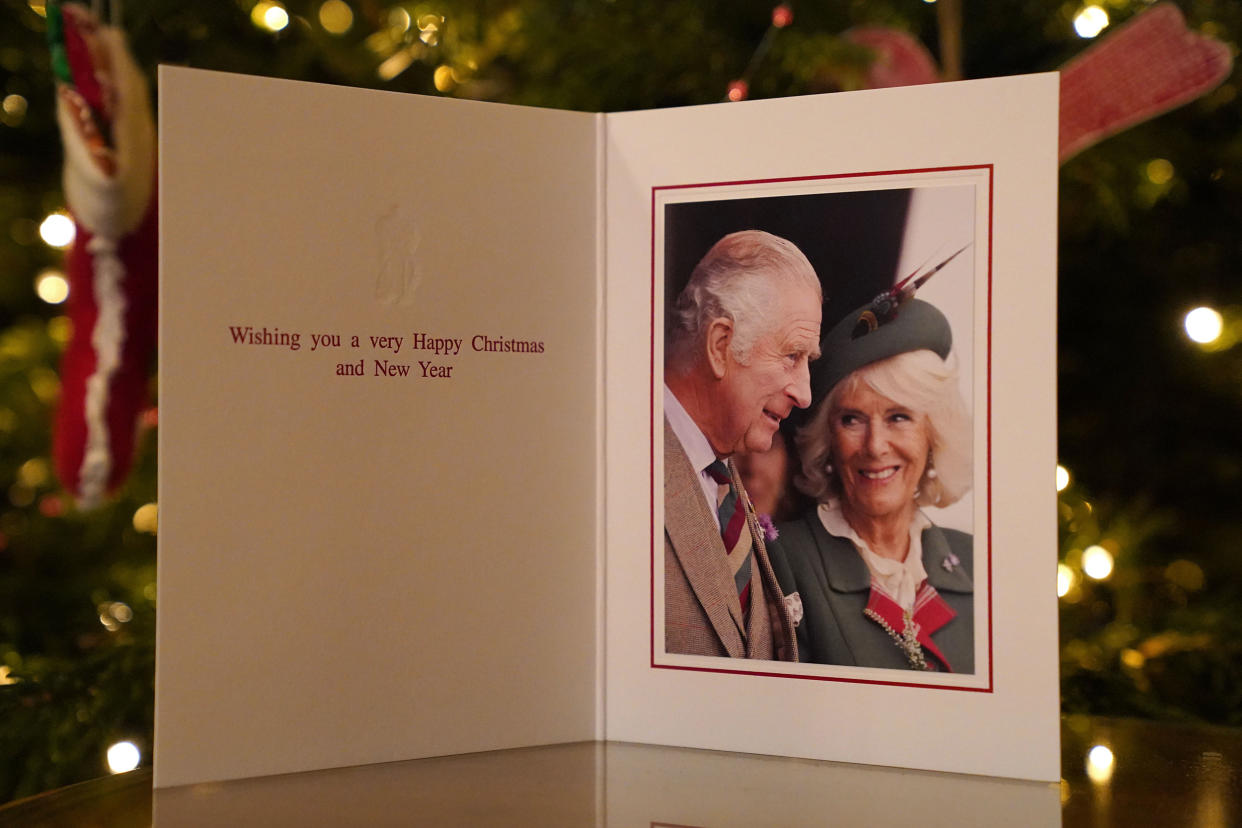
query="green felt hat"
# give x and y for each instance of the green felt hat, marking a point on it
(859, 340)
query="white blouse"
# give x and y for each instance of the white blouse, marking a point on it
(899, 579)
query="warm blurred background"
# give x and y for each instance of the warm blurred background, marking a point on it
(1150, 394)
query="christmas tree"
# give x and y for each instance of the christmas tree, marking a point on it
(1148, 392)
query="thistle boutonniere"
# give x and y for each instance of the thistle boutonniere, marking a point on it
(769, 528)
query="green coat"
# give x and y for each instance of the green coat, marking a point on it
(834, 584)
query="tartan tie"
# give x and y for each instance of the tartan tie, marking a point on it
(733, 531)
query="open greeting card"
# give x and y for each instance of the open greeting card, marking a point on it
(414, 475)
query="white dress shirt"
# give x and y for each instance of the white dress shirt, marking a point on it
(696, 447)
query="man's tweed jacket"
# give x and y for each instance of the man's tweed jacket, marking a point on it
(702, 615)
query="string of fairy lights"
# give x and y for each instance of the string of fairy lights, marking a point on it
(404, 38)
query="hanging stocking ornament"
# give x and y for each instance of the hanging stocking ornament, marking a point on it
(108, 133)
(900, 59)
(1136, 71)
(1144, 68)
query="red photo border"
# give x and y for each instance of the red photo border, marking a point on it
(658, 279)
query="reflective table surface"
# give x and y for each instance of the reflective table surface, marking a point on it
(1115, 772)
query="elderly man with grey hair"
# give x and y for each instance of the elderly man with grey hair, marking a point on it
(737, 350)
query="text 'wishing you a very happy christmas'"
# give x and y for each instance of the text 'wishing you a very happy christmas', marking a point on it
(417, 355)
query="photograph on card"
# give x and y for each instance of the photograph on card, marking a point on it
(820, 427)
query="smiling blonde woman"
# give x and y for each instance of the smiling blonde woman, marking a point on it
(879, 585)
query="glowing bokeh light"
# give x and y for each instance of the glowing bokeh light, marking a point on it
(1186, 574)
(1090, 21)
(35, 472)
(257, 12)
(1097, 562)
(443, 78)
(399, 20)
(59, 330)
(395, 64)
(52, 287)
(1065, 580)
(1159, 171)
(51, 505)
(269, 15)
(21, 496)
(738, 90)
(12, 110)
(123, 757)
(146, 518)
(45, 383)
(336, 17)
(1100, 764)
(114, 613)
(57, 230)
(276, 18)
(1063, 477)
(1204, 325)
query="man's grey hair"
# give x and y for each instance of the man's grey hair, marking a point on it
(739, 279)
